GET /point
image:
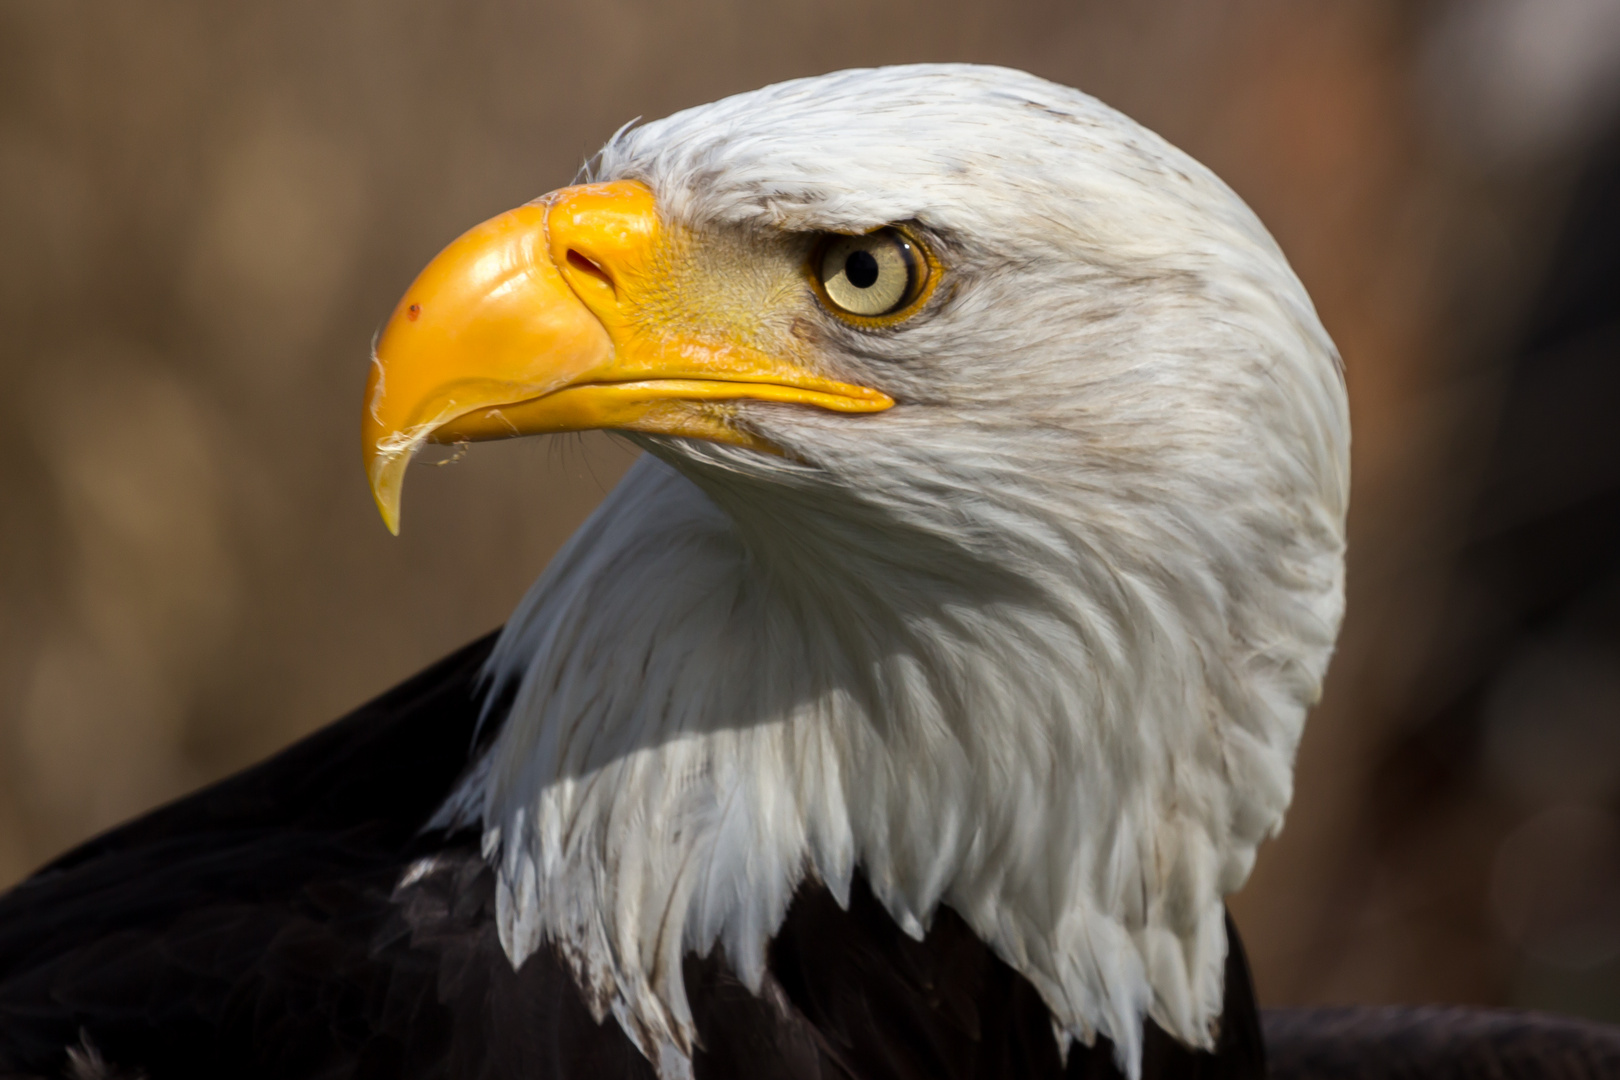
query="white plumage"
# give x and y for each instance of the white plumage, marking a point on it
(1036, 643)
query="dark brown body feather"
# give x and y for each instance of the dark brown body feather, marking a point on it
(266, 928)
(1441, 1041)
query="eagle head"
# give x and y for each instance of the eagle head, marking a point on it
(989, 540)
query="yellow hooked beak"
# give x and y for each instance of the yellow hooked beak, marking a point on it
(554, 317)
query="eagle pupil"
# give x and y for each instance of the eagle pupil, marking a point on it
(861, 269)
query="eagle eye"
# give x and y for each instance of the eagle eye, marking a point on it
(872, 278)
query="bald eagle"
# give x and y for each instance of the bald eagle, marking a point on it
(909, 709)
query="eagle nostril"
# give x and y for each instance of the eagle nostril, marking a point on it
(586, 266)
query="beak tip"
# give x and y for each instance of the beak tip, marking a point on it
(387, 475)
(389, 509)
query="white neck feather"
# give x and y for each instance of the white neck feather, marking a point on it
(725, 689)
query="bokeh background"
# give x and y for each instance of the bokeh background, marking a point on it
(206, 210)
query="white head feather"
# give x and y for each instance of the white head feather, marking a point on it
(1036, 643)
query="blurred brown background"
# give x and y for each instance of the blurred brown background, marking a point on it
(206, 210)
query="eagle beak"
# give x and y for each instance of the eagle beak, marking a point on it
(556, 317)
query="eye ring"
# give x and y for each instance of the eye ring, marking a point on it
(873, 279)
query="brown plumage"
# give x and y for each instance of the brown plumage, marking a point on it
(260, 928)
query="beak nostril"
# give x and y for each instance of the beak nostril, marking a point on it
(586, 266)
